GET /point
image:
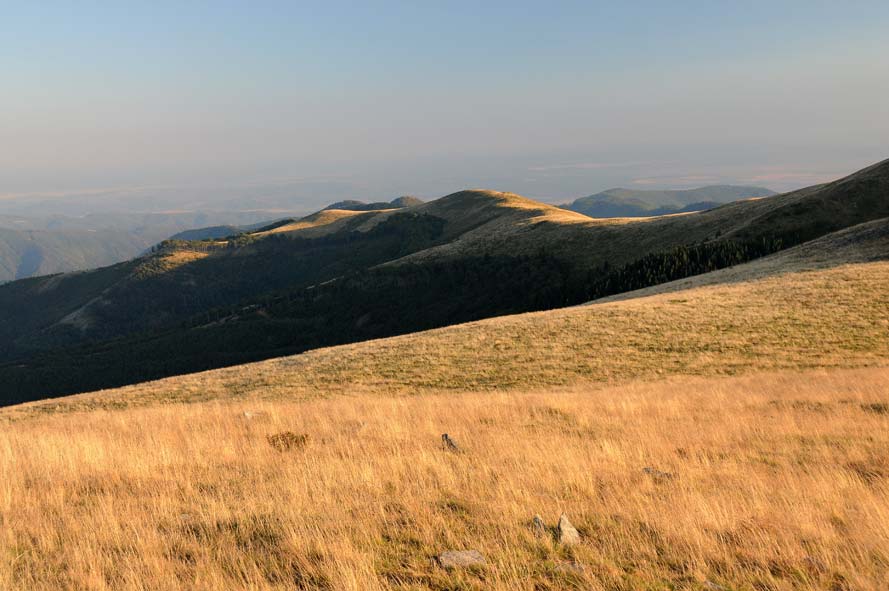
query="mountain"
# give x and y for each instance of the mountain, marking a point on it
(352, 205)
(615, 203)
(26, 253)
(341, 276)
(748, 394)
(218, 232)
(44, 245)
(823, 303)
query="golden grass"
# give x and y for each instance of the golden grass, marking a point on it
(737, 383)
(833, 317)
(781, 482)
(319, 224)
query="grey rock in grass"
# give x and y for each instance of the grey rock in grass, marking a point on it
(538, 526)
(460, 559)
(567, 534)
(449, 444)
(255, 414)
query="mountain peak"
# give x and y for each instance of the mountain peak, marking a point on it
(355, 205)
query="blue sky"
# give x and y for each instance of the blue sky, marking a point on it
(337, 100)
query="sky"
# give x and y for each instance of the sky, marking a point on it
(314, 102)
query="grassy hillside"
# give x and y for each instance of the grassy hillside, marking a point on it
(765, 451)
(778, 482)
(641, 203)
(343, 276)
(823, 304)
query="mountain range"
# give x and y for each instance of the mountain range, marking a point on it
(347, 275)
(616, 203)
(44, 245)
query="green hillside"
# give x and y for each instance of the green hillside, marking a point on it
(344, 276)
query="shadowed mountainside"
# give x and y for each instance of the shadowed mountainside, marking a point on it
(615, 203)
(824, 303)
(340, 276)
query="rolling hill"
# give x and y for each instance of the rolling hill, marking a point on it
(674, 425)
(28, 253)
(353, 205)
(616, 203)
(824, 303)
(343, 276)
(45, 245)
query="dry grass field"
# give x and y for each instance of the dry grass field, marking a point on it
(779, 481)
(758, 396)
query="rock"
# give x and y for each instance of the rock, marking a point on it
(715, 586)
(255, 414)
(460, 559)
(567, 534)
(448, 443)
(657, 474)
(538, 526)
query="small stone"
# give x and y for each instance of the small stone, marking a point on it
(460, 559)
(448, 443)
(715, 586)
(255, 414)
(538, 526)
(567, 534)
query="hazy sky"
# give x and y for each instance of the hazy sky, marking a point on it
(328, 100)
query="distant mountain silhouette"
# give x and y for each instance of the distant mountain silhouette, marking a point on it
(353, 205)
(631, 203)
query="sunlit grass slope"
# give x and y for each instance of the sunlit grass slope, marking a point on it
(759, 399)
(778, 481)
(823, 304)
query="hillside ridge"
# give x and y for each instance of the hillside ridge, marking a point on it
(831, 309)
(350, 276)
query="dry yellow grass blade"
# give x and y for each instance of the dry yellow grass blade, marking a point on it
(780, 481)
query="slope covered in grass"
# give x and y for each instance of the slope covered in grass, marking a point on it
(756, 400)
(819, 305)
(345, 276)
(777, 481)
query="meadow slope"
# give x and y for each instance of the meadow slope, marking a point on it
(819, 305)
(339, 277)
(759, 399)
(776, 481)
